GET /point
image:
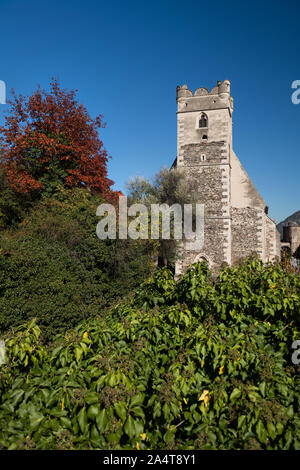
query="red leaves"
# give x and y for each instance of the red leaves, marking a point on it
(53, 126)
(21, 181)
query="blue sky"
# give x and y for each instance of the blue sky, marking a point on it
(127, 57)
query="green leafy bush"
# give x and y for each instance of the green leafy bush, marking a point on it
(53, 266)
(193, 364)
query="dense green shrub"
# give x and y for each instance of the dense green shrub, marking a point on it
(13, 206)
(193, 364)
(53, 266)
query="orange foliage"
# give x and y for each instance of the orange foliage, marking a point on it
(49, 128)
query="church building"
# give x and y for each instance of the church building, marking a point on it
(236, 220)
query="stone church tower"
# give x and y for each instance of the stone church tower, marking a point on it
(236, 216)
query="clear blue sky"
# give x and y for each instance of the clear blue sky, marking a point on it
(126, 58)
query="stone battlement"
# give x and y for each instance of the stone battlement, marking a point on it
(221, 88)
(218, 97)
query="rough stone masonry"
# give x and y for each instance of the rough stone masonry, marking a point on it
(236, 216)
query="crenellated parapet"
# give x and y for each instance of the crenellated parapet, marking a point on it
(220, 89)
(219, 96)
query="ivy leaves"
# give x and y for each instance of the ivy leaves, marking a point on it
(192, 364)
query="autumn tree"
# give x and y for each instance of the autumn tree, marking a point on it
(49, 139)
(167, 187)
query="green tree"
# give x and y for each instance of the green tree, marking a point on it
(168, 187)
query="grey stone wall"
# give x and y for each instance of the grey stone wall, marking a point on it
(207, 174)
(246, 233)
(213, 249)
(272, 240)
(211, 176)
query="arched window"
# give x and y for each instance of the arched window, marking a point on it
(199, 258)
(203, 121)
